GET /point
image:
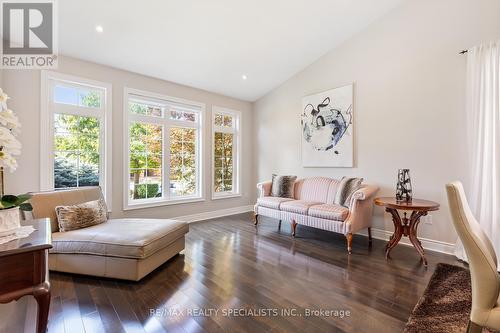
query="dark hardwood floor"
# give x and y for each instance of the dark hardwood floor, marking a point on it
(228, 264)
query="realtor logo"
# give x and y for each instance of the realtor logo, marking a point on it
(28, 34)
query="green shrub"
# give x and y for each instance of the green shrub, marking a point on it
(143, 191)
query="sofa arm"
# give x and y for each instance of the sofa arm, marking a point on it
(364, 193)
(264, 189)
(361, 209)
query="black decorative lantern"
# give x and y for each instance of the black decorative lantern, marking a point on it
(403, 188)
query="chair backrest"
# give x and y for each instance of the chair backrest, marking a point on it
(312, 189)
(45, 203)
(480, 252)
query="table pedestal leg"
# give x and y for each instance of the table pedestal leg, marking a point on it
(407, 227)
(414, 221)
(398, 231)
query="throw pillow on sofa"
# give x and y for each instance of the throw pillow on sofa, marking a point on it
(82, 215)
(282, 186)
(346, 189)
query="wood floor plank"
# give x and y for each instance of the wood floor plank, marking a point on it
(122, 307)
(56, 322)
(109, 318)
(236, 270)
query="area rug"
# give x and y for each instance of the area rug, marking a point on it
(445, 305)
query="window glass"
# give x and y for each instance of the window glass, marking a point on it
(146, 109)
(65, 95)
(77, 96)
(76, 151)
(183, 115)
(145, 164)
(223, 162)
(182, 161)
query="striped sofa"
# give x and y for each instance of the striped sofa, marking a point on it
(313, 206)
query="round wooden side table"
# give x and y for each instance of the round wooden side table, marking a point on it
(404, 226)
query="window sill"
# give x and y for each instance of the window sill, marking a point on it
(225, 196)
(159, 203)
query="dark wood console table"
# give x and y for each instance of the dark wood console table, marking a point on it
(24, 269)
(404, 226)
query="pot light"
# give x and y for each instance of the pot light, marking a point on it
(244, 77)
(99, 29)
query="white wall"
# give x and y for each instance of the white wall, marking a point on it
(23, 86)
(408, 102)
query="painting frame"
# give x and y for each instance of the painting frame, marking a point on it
(327, 128)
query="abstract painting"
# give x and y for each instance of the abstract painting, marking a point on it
(326, 120)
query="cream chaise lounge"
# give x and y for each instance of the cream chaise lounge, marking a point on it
(126, 249)
(312, 205)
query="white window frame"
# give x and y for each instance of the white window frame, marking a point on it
(237, 151)
(47, 111)
(167, 123)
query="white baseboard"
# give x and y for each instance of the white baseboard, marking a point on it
(214, 214)
(427, 244)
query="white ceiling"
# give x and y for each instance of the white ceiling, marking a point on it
(210, 44)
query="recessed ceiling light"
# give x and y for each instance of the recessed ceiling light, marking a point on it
(99, 29)
(244, 77)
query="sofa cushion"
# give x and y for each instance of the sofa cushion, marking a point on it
(272, 202)
(124, 238)
(82, 215)
(312, 189)
(282, 186)
(345, 190)
(298, 206)
(329, 212)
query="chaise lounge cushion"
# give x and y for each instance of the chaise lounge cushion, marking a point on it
(329, 212)
(124, 238)
(298, 206)
(272, 202)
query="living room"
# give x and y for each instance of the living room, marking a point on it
(174, 166)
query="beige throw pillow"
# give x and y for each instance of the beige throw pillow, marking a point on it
(346, 189)
(282, 186)
(82, 215)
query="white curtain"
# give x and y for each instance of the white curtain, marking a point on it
(483, 136)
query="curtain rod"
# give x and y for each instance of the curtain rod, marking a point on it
(463, 52)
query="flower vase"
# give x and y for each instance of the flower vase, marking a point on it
(9, 221)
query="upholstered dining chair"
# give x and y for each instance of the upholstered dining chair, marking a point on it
(485, 311)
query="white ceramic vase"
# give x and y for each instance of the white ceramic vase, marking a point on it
(9, 221)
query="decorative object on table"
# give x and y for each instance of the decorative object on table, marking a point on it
(446, 302)
(9, 216)
(326, 121)
(282, 186)
(404, 226)
(403, 187)
(25, 272)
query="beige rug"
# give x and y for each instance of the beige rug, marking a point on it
(445, 305)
